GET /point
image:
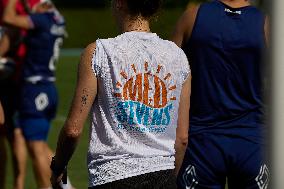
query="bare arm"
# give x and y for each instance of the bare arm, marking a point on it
(86, 91)
(2, 117)
(4, 44)
(183, 124)
(184, 26)
(10, 16)
(266, 30)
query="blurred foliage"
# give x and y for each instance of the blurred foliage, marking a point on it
(105, 3)
(85, 25)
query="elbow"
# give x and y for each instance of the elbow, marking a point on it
(7, 19)
(182, 141)
(2, 118)
(72, 131)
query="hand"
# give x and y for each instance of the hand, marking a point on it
(55, 181)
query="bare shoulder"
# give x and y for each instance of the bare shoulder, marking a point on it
(189, 17)
(185, 24)
(85, 63)
(88, 54)
(192, 10)
(89, 50)
(190, 13)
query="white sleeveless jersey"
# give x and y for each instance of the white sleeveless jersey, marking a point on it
(135, 113)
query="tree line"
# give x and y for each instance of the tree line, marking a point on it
(105, 3)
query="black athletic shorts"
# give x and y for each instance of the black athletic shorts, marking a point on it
(156, 180)
(9, 100)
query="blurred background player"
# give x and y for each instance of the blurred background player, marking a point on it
(2, 118)
(38, 101)
(224, 41)
(12, 53)
(3, 155)
(8, 94)
(138, 87)
(7, 69)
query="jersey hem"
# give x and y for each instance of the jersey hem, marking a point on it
(150, 170)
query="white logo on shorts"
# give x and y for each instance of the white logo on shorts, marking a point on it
(263, 177)
(189, 177)
(41, 101)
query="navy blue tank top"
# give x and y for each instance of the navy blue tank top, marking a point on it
(43, 43)
(225, 53)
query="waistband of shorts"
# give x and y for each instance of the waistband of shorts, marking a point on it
(36, 79)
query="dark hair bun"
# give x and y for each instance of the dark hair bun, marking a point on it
(146, 8)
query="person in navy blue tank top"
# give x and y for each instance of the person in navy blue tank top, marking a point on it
(38, 101)
(224, 41)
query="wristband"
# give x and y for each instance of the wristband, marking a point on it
(57, 171)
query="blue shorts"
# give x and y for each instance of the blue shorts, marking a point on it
(37, 108)
(210, 159)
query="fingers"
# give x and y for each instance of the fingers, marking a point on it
(56, 185)
(55, 182)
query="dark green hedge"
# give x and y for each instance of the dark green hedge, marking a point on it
(86, 25)
(104, 3)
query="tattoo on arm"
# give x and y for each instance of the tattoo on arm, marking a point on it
(84, 99)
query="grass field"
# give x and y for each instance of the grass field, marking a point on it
(84, 26)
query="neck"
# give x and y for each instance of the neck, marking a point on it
(236, 3)
(138, 24)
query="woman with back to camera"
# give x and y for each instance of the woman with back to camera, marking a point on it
(134, 84)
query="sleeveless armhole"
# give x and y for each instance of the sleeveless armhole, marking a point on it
(185, 71)
(99, 58)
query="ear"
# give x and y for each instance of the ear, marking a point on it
(122, 4)
(119, 4)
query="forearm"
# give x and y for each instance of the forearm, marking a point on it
(180, 148)
(4, 45)
(2, 117)
(10, 11)
(66, 146)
